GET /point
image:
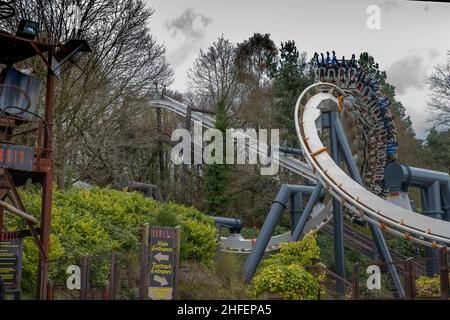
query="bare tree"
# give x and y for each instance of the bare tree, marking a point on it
(124, 63)
(214, 78)
(440, 98)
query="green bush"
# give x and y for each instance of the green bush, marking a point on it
(290, 281)
(221, 281)
(302, 252)
(99, 221)
(284, 273)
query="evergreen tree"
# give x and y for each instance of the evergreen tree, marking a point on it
(214, 79)
(291, 77)
(217, 176)
(438, 149)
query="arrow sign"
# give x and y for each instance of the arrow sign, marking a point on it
(161, 257)
(162, 262)
(161, 280)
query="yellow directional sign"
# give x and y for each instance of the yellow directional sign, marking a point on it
(162, 262)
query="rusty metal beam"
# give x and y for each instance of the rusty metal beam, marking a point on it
(15, 198)
(42, 165)
(47, 185)
(23, 233)
(1, 219)
(410, 279)
(18, 212)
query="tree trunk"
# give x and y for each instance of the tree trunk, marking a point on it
(60, 159)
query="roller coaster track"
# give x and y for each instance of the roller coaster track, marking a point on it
(287, 162)
(236, 243)
(360, 241)
(354, 239)
(320, 216)
(388, 216)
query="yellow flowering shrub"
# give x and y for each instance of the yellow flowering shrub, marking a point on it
(99, 221)
(284, 273)
(428, 286)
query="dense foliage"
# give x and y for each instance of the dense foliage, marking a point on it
(428, 286)
(221, 281)
(291, 76)
(217, 176)
(99, 221)
(284, 273)
(438, 147)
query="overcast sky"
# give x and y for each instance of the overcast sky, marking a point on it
(414, 36)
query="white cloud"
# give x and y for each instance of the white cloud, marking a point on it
(190, 24)
(433, 53)
(188, 29)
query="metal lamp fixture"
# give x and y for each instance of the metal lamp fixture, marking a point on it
(27, 29)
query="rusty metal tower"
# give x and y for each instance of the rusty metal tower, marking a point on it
(26, 140)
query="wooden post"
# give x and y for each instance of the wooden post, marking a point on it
(1, 219)
(50, 291)
(143, 288)
(2, 290)
(176, 276)
(443, 272)
(116, 278)
(410, 279)
(112, 278)
(355, 281)
(84, 292)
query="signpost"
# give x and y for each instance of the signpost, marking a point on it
(11, 249)
(163, 262)
(16, 157)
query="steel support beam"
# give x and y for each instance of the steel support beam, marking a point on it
(296, 208)
(432, 207)
(296, 234)
(400, 174)
(337, 211)
(377, 235)
(445, 198)
(278, 206)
